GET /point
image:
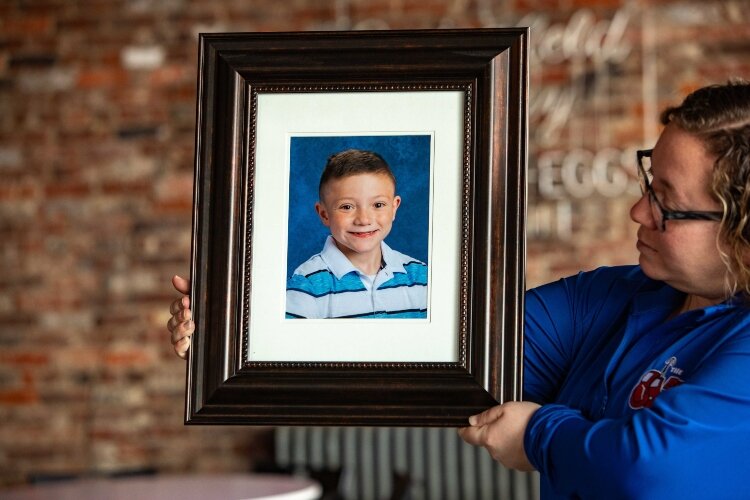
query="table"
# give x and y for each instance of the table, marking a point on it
(168, 487)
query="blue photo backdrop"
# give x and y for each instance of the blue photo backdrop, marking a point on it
(409, 158)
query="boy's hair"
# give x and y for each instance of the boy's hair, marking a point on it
(354, 162)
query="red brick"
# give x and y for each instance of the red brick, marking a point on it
(30, 26)
(18, 397)
(106, 77)
(125, 188)
(24, 358)
(25, 395)
(67, 189)
(17, 192)
(171, 75)
(127, 358)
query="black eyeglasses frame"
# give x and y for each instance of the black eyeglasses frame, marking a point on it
(666, 215)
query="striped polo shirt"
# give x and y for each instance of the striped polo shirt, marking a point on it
(327, 285)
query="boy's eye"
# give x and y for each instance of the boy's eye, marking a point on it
(379, 204)
(346, 206)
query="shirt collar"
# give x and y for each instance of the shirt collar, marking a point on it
(662, 297)
(657, 297)
(393, 262)
(340, 265)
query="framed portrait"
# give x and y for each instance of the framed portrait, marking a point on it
(358, 227)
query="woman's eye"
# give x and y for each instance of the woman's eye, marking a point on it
(665, 203)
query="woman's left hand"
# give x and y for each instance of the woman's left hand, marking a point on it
(501, 430)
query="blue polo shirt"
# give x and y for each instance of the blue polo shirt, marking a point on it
(327, 285)
(636, 404)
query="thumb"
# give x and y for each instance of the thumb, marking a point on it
(181, 284)
(486, 416)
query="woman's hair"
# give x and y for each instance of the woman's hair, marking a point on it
(720, 116)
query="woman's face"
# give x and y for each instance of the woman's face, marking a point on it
(685, 255)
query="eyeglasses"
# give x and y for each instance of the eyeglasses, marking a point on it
(660, 214)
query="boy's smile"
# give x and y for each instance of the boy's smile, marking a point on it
(365, 234)
(359, 209)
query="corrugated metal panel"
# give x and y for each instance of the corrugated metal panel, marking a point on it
(439, 464)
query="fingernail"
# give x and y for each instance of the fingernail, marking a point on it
(473, 420)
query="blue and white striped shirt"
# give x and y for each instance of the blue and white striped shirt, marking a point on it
(327, 285)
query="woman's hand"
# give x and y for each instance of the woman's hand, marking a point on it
(501, 430)
(180, 324)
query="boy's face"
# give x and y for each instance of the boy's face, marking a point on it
(359, 209)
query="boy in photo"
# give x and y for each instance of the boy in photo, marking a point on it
(357, 275)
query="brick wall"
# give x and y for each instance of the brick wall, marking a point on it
(97, 110)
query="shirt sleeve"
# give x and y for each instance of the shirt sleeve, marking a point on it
(560, 316)
(300, 299)
(692, 443)
(547, 337)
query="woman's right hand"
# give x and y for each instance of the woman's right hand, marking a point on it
(180, 324)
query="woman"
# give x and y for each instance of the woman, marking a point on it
(636, 377)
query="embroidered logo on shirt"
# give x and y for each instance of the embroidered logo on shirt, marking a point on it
(653, 382)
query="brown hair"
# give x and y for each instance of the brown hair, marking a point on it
(353, 162)
(720, 116)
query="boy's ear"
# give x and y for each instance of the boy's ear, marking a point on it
(396, 204)
(322, 213)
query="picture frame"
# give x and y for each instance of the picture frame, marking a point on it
(465, 90)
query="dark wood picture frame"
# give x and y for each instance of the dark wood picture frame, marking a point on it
(491, 67)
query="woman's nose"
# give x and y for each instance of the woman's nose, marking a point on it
(640, 212)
